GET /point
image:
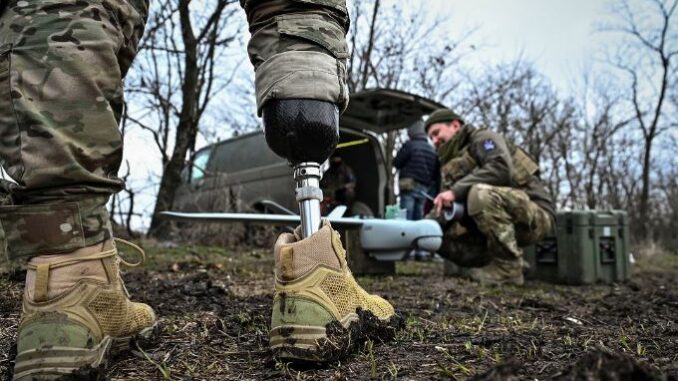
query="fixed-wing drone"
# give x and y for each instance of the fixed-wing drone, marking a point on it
(385, 240)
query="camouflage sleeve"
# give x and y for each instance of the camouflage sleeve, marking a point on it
(494, 163)
(298, 49)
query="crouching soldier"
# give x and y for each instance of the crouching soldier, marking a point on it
(507, 204)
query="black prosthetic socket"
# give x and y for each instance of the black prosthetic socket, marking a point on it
(301, 130)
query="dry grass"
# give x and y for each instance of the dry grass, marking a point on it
(215, 308)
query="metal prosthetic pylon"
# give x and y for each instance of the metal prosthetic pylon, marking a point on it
(309, 195)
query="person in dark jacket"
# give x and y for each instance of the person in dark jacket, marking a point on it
(418, 170)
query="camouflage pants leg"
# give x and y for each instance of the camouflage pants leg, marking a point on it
(61, 69)
(298, 49)
(508, 219)
(465, 246)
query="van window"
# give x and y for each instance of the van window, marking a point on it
(243, 153)
(199, 165)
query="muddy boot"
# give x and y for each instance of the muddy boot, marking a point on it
(498, 271)
(320, 313)
(76, 310)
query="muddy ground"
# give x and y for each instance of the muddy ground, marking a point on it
(215, 307)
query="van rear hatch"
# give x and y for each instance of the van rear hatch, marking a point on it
(384, 110)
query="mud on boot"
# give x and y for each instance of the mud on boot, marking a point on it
(320, 313)
(76, 314)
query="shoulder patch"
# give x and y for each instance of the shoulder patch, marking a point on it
(489, 145)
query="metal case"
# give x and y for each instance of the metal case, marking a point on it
(588, 246)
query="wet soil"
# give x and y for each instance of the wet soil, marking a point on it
(215, 306)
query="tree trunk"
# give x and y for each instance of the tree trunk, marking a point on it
(186, 129)
(645, 192)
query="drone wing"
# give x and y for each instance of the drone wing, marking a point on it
(272, 219)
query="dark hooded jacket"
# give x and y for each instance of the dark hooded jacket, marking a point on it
(417, 159)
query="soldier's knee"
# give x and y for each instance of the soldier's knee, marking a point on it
(481, 197)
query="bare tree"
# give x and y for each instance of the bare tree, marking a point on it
(402, 46)
(516, 101)
(595, 141)
(122, 206)
(178, 74)
(647, 57)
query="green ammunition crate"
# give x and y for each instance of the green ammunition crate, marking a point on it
(587, 246)
(625, 240)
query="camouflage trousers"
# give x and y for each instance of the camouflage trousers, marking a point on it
(298, 49)
(501, 221)
(61, 98)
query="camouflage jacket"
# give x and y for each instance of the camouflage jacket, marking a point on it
(481, 156)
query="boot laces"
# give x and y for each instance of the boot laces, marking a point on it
(42, 270)
(102, 255)
(139, 250)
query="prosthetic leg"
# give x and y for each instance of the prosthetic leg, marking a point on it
(298, 50)
(309, 195)
(305, 132)
(320, 313)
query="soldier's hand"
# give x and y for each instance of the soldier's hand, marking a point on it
(443, 200)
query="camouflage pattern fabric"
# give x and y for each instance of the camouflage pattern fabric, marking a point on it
(61, 69)
(481, 156)
(508, 205)
(464, 245)
(298, 49)
(504, 219)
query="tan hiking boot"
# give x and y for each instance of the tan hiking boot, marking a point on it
(498, 271)
(320, 313)
(75, 311)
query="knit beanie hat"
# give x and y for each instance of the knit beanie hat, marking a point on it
(416, 129)
(442, 115)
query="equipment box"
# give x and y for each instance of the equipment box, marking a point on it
(587, 246)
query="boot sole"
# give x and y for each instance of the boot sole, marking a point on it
(337, 339)
(67, 363)
(297, 342)
(63, 363)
